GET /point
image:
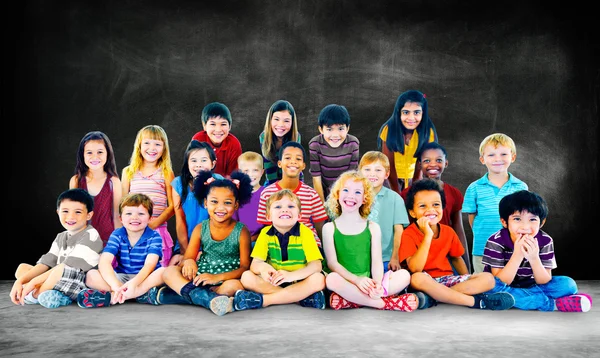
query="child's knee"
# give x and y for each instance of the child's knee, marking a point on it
(333, 281)
(316, 281)
(567, 284)
(401, 275)
(487, 279)
(248, 278)
(91, 276)
(419, 279)
(170, 271)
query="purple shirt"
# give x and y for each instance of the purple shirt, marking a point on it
(499, 248)
(247, 213)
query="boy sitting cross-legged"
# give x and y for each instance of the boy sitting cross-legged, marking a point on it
(286, 265)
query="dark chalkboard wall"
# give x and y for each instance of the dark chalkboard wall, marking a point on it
(525, 70)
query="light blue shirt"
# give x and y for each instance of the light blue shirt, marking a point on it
(388, 210)
(482, 198)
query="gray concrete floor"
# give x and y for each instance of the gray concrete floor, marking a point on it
(138, 330)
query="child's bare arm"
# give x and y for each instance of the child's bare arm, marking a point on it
(459, 265)
(17, 292)
(417, 261)
(117, 195)
(394, 263)
(471, 219)
(124, 182)
(181, 228)
(458, 227)
(107, 272)
(310, 268)
(318, 186)
(261, 268)
(169, 210)
(376, 259)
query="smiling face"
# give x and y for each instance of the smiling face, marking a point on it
(253, 170)
(95, 154)
(375, 173)
(152, 149)
(334, 134)
(411, 115)
(284, 214)
(199, 160)
(135, 218)
(497, 159)
(352, 196)
(433, 163)
(427, 203)
(220, 204)
(522, 223)
(281, 123)
(217, 129)
(73, 215)
(292, 162)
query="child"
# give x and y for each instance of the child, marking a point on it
(251, 164)
(497, 151)
(403, 135)
(190, 212)
(388, 208)
(137, 249)
(280, 128)
(292, 163)
(425, 247)
(521, 257)
(150, 172)
(96, 172)
(353, 250)
(216, 122)
(286, 262)
(433, 160)
(59, 275)
(212, 280)
(334, 151)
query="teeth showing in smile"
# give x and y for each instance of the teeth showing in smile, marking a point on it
(285, 217)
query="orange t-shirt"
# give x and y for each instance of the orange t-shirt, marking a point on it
(447, 244)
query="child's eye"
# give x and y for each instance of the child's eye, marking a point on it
(426, 161)
(277, 206)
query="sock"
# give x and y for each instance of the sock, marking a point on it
(185, 290)
(30, 299)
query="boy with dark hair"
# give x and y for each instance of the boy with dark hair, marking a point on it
(292, 163)
(334, 151)
(216, 122)
(59, 275)
(521, 257)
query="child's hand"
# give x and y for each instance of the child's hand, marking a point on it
(125, 292)
(267, 274)
(281, 276)
(206, 279)
(189, 269)
(28, 287)
(377, 291)
(519, 249)
(394, 265)
(365, 285)
(424, 226)
(530, 247)
(16, 292)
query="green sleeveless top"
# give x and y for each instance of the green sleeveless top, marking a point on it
(219, 256)
(354, 251)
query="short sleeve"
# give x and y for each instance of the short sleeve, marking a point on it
(309, 245)
(315, 157)
(456, 248)
(400, 213)
(408, 245)
(470, 200)
(261, 246)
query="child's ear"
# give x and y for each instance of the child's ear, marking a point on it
(387, 174)
(504, 223)
(320, 129)
(514, 157)
(236, 206)
(214, 163)
(91, 213)
(268, 216)
(481, 159)
(205, 202)
(446, 165)
(542, 223)
(279, 163)
(203, 125)
(412, 213)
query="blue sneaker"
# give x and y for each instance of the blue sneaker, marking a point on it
(495, 301)
(316, 300)
(425, 301)
(91, 298)
(247, 300)
(149, 297)
(54, 299)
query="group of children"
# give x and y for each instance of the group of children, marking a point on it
(382, 230)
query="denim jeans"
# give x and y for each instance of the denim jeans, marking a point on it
(538, 297)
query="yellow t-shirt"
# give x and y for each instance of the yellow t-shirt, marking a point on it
(301, 249)
(405, 163)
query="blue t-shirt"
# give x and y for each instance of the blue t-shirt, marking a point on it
(130, 260)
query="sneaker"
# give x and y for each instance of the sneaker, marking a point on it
(580, 302)
(425, 301)
(93, 298)
(221, 305)
(316, 300)
(247, 300)
(54, 299)
(149, 297)
(494, 301)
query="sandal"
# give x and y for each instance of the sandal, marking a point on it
(400, 303)
(338, 302)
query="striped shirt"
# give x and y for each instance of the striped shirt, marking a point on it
(272, 171)
(81, 251)
(301, 248)
(499, 248)
(312, 210)
(130, 260)
(328, 162)
(482, 198)
(154, 186)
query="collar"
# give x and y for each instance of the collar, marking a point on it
(294, 231)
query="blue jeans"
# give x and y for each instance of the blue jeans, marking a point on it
(385, 266)
(538, 297)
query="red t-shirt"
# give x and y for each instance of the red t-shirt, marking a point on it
(447, 244)
(227, 153)
(454, 201)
